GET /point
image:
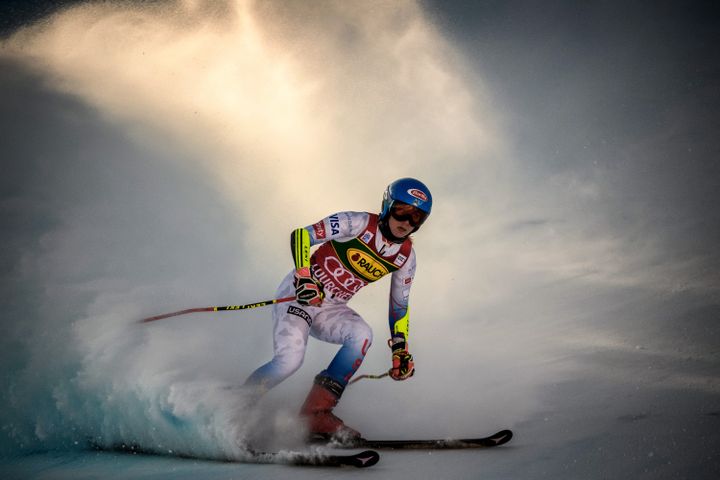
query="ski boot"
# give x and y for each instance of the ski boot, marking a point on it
(323, 425)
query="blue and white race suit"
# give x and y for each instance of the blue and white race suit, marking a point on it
(352, 253)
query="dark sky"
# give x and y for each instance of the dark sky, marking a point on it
(16, 13)
(630, 89)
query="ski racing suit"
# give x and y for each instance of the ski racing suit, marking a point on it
(352, 253)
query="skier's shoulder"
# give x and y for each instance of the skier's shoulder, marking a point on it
(351, 223)
(339, 225)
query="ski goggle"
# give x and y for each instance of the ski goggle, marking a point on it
(403, 212)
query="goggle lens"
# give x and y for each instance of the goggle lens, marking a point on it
(403, 212)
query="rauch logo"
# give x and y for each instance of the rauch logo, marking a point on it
(365, 265)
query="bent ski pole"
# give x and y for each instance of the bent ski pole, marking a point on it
(217, 309)
(382, 375)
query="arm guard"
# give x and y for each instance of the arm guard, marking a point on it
(400, 330)
(300, 247)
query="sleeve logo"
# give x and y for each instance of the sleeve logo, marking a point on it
(319, 229)
(334, 224)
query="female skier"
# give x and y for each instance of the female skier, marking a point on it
(356, 248)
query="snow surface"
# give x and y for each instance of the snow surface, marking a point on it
(581, 435)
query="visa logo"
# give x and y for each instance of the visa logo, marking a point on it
(334, 224)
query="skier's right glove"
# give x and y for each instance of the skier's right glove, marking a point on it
(308, 291)
(403, 366)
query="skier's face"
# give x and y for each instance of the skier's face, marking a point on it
(404, 219)
(400, 228)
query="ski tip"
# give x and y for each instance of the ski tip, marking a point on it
(500, 438)
(368, 458)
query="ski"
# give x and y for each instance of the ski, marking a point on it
(364, 459)
(500, 438)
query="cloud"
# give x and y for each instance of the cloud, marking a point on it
(274, 91)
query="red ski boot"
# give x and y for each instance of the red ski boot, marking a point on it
(317, 410)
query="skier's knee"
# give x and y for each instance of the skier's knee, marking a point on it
(286, 366)
(364, 335)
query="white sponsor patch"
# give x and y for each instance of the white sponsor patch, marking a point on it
(419, 194)
(400, 259)
(367, 236)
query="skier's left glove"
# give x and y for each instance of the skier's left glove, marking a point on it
(403, 366)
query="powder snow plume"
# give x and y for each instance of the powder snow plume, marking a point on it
(147, 147)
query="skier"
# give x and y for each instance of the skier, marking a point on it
(356, 248)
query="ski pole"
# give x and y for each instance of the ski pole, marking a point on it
(217, 309)
(382, 375)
